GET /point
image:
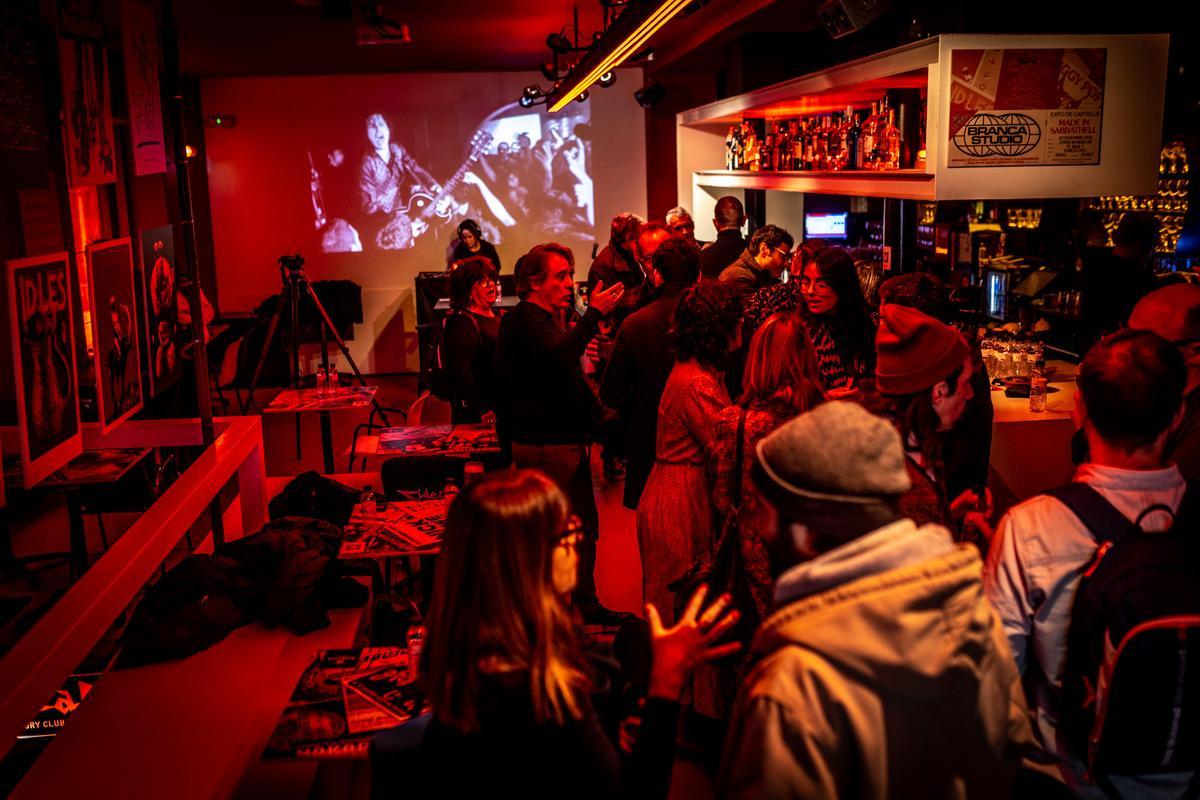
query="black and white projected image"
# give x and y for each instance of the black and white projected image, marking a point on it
(525, 176)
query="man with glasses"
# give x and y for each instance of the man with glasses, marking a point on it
(1173, 312)
(761, 264)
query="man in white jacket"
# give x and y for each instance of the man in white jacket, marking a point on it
(1130, 395)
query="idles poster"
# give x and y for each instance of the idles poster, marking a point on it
(43, 340)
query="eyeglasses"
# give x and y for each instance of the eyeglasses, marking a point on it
(807, 284)
(784, 253)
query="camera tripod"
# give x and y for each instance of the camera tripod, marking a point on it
(295, 284)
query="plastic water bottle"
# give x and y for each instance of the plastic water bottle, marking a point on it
(416, 642)
(322, 382)
(369, 504)
(450, 490)
(335, 383)
(1038, 385)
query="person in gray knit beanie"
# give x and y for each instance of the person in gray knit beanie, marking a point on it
(881, 639)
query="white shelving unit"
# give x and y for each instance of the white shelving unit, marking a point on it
(1131, 125)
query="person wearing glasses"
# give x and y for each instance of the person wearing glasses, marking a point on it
(469, 341)
(761, 264)
(839, 321)
(519, 703)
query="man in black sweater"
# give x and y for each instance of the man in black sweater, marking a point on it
(545, 407)
(642, 360)
(728, 217)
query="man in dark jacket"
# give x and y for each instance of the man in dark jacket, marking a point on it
(617, 262)
(728, 218)
(642, 360)
(544, 405)
(761, 263)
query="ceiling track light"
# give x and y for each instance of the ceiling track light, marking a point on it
(630, 35)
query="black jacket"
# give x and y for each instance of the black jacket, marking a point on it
(633, 383)
(714, 258)
(468, 353)
(486, 249)
(744, 277)
(542, 396)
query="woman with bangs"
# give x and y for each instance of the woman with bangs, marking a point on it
(517, 702)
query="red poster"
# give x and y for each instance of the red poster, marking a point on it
(1031, 107)
(43, 341)
(140, 43)
(87, 113)
(114, 315)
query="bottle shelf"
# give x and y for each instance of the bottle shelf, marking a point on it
(903, 184)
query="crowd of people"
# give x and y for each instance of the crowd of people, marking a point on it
(819, 467)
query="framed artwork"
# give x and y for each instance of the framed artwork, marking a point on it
(87, 113)
(41, 321)
(117, 343)
(162, 313)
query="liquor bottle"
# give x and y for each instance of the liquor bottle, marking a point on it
(767, 153)
(821, 145)
(751, 152)
(739, 145)
(783, 148)
(795, 146)
(729, 158)
(890, 143)
(866, 139)
(852, 131)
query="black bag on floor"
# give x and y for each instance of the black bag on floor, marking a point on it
(192, 607)
(1130, 697)
(317, 497)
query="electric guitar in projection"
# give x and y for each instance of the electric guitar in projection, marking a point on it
(423, 205)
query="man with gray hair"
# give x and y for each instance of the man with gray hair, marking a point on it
(883, 672)
(681, 224)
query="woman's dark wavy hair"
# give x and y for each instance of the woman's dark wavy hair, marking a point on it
(853, 330)
(706, 322)
(469, 272)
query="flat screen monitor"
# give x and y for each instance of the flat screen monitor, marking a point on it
(825, 226)
(995, 293)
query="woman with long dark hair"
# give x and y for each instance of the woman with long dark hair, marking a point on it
(838, 320)
(674, 515)
(505, 668)
(469, 343)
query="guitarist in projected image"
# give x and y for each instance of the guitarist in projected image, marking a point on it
(390, 174)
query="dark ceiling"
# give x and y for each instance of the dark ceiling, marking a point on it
(291, 37)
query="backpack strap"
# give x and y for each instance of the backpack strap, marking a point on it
(1099, 516)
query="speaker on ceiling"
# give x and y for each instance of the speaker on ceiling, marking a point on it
(844, 17)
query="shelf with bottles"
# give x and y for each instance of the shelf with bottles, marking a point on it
(902, 184)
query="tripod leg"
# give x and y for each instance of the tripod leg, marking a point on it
(342, 346)
(272, 326)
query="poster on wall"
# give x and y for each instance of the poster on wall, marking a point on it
(41, 319)
(87, 113)
(140, 44)
(1026, 107)
(117, 343)
(162, 313)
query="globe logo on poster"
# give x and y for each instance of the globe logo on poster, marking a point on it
(1007, 135)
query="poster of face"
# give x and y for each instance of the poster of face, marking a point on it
(114, 311)
(87, 113)
(43, 341)
(162, 313)
(140, 44)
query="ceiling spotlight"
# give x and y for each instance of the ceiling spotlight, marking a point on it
(558, 43)
(607, 79)
(583, 96)
(526, 101)
(532, 91)
(653, 92)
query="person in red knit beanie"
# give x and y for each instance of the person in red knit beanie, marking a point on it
(923, 374)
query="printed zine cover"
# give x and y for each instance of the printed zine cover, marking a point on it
(323, 719)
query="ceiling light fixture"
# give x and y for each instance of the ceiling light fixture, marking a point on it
(629, 44)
